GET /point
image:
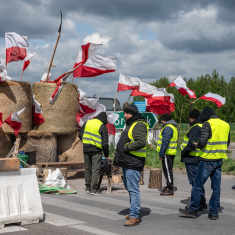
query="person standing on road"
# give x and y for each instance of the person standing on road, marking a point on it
(190, 153)
(130, 155)
(167, 148)
(94, 136)
(214, 141)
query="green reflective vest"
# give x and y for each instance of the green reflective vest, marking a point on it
(197, 151)
(91, 133)
(140, 152)
(216, 147)
(172, 147)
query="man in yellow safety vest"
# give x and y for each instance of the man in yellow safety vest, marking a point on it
(94, 136)
(214, 141)
(167, 148)
(130, 155)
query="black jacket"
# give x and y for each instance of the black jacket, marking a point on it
(123, 158)
(88, 148)
(194, 137)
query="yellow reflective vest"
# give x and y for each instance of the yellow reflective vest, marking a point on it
(140, 152)
(216, 147)
(91, 133)
(197, 152)
(172, 147)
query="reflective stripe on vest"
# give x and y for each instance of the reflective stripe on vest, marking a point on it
(91, 133)
(140, 152)
(172, 147)
(197, 151)
(216, 147)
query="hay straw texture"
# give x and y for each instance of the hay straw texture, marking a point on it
(60, 117)
(14, 96)
(5, 144)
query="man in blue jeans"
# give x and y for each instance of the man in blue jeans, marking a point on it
(214, 141)
(130, 155)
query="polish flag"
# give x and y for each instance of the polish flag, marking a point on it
(89, 108)
(27, 61)
(215, 98)
(0, 120)
(38, 119)
(181, 86)
(127, 83)
(16, 47)
(144, 89)
(112, 118)
(14, 121)
(90, 63)
(161, 102)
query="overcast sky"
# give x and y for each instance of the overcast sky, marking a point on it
(150, 38)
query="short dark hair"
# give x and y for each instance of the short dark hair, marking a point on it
(194, 114)
(130, 108)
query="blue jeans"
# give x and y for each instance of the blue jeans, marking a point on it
(131, 179)
(206, 170)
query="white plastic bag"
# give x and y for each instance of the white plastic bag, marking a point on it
(55, 178)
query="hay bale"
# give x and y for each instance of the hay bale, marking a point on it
(5, 144)
(45, 146)
(60, 118)
(15, 95)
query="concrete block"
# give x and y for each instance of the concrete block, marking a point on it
(20, 200)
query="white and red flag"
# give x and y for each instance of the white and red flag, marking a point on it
(181, 86)
(161, 102)
(127, 83)
(38, 118)
(27, 61)
(144, 89)
(90, 63)
(215, 98)
(0, 120)
(16, 47)
(112, 118)
(14, 121)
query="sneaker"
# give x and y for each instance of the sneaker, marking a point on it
(233, 187)
(213, 217)
(93, 193)
(187, 213)
(132, 222)
(88, 191)
(167, 192)
(185, 201)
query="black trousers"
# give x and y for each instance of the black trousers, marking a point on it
(167, 168)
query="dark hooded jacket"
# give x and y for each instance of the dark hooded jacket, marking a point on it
(123, 158)
(88, 148)
(206, 133)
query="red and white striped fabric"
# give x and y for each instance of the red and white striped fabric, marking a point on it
(127, 83)
(16, 47)
(144, 89)
(14, 121)
(27, 61)
(161, 102)
(181, 86)
(0, 120)
(215, 98)
(112, 118)
(90, 63)
(89, 108)
(38, 118)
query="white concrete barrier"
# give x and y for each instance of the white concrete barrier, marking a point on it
(20, 200)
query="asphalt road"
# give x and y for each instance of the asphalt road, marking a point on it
(104, 214)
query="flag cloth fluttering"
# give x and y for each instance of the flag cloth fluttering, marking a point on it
(181, 86)
(144, 89)
(38, 118)
(3, 72)
(127, 83)
(14, 121)
(27, 61)
(16, 47)
(215, 98)
(90, 63)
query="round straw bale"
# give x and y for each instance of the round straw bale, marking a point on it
(5, 144)
(60, 117)
(15, 95)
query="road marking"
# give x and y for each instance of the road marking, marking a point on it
(81, 208)
(59, 220)
(92, 230)
(11, 229)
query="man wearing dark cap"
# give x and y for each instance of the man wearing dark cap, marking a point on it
(94, 136)
(190, 153)
(130, 155)
(167, 148)
(214, 141)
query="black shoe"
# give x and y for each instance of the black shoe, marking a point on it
(213, 217)
(167, 192)
(233, 187)
(185, 201)
(188, 214)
